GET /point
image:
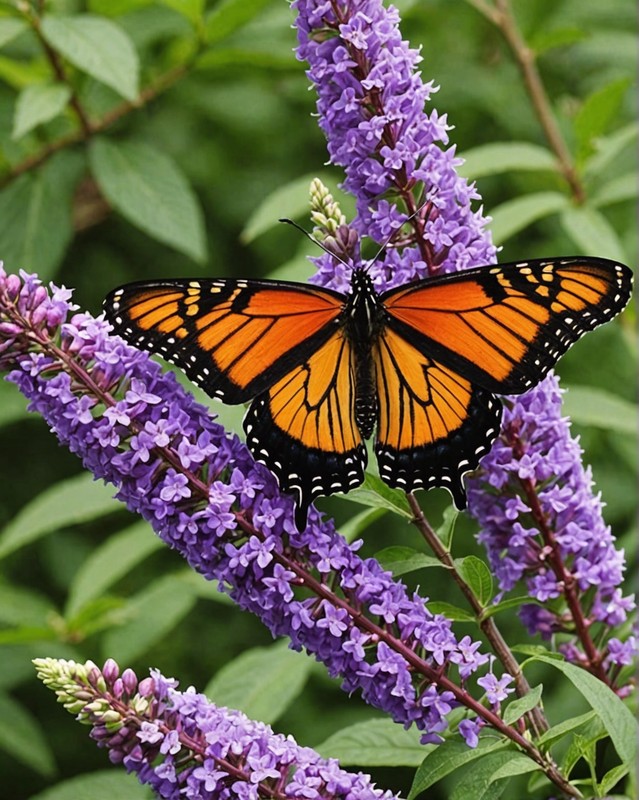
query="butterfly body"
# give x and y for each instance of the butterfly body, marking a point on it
(419, 364)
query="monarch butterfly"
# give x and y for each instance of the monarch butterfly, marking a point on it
(421, 362)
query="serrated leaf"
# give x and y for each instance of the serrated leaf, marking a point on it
(10, 29)
(402, 560)
(514, 215)
(262, 682)
(446, 758)
(38, 104)
(592, 233)
(68, 502)
(597, 112)
(375, 743)
(375, 493)
(149, 189)
(499, 157)
(616, 718)
(597, 408)
(151, 615)
(291, 200)
(98, 47)
(102, 785)
(477, 575)
(35, 216)
(229, 15)
(522, 705)
(110, 562)
(21, 737)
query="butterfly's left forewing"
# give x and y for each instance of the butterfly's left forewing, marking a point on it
(233, 338)
(433, 425)
(304, 428)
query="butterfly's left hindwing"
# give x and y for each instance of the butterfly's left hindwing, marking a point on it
(233, 338)
(304, 428)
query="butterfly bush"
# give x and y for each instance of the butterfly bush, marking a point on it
(135, 427)
(182, 745)
(371, 105)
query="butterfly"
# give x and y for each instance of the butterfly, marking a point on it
(421, 363)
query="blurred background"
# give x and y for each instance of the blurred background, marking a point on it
(180, 167)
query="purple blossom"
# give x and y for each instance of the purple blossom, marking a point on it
(546, 525)
(225, 515)
(182, 745)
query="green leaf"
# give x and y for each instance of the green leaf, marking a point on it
(557, 732)
(374, 492)
(13, 405)
(402, 560)
(68, 502)
(477, 575)
(375, 743)
(262, 682)
(35, 216)
(500, 157)
(191, 9)
(10, 29)
(229, 15)
(612, 778)
(617, 190)
(102, 785)
(108, 563)
(21, 737)
(149, 189)
(291, 200)
(592, 232)
(504, 605)
(450, 611)
(446, 758)
(596, 114)
(488, 778)
(151, 615)
(356, 525)
(616, 718)
(446, 530)
(514, 215)
(23, 607)
(37, 104)
(522, 705)
(608, 148)
(598, 408)
(97, 46)
(544, 39)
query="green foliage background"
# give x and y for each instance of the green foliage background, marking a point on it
(196, 135)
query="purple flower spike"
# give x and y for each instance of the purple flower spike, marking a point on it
(182, 745)
(371, 102)
(135, 427)
(542, 524)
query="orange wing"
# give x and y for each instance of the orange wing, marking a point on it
(433, 424)
(304, 428)
(504, 327)
(234, 338)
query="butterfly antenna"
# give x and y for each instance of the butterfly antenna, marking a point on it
(315, 241)
(393, 234)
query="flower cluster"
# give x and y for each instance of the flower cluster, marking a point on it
(371, 107)
(542, 523)
(182, 745)
(135, 427)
